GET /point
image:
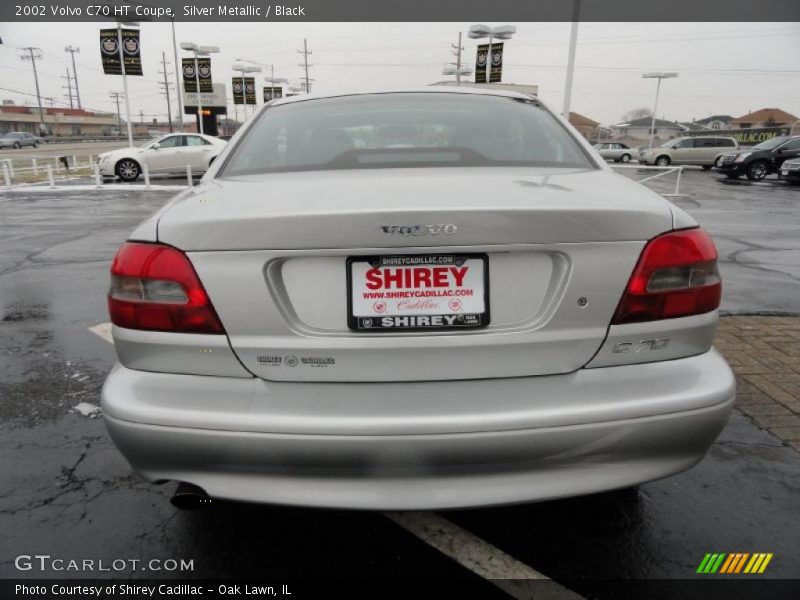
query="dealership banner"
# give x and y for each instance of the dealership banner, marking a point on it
(271, 93)
(190, 77)
(244, 90)
(496, 74)
(480, 63)
(131, 51)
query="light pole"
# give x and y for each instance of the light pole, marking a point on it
(242, 70)
(199, 51)
(658, 76)
(573, 46)
(125, 77)
(503, 32)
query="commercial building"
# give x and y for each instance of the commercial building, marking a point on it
(57, 121)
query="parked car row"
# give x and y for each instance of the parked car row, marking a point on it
(779, 155)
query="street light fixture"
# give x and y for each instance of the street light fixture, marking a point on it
(242, 69)
(658, 76)
(480, 31)
(199, 51)
(452, 69)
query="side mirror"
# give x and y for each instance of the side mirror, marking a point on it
(156, 146)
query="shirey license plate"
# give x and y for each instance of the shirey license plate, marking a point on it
(421, 292)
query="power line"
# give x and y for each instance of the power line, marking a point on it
(72, 51)
(68, 87)
(165, 88)
(116, 96)
(33, 54)
(305, 52)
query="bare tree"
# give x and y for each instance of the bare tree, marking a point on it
(637, 113)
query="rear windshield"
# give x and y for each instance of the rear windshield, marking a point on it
(404, 130)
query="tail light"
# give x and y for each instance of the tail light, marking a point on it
(155, 287)
(676, 276)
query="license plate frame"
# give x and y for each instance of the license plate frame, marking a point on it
(469, 322)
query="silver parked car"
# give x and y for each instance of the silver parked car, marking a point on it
(703, 151)
(389, 301)
(616, 151)
(18, 139)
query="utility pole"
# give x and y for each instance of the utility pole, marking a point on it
(33, 54)
(165, 91)
(305, 52)
(68, 87)
(457, 51)
(573, 46)
(116, 96)
(72, 51)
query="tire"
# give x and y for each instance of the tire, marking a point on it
(17, 145)
(663, 161)
(757, 170)
(732, 175)
(625, 158)
(36, 144)
(128, 169)
(706, 167)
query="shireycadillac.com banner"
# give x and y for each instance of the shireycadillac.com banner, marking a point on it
(131, 51)
(203, 74)
(481, 60)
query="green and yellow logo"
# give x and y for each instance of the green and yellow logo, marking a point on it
(735, 562)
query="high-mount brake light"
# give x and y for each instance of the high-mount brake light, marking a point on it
(155, 287)
(676, 276)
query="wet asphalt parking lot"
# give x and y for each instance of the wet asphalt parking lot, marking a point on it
(65, 490)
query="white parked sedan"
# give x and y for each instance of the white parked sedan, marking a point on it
(170, 154)
(414, 300)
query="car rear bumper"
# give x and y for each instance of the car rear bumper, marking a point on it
(512, 440)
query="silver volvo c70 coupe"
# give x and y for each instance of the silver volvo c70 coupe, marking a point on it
(418, 299)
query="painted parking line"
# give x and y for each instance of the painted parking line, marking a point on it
(482, 558)
(104, 331)
(513, 577)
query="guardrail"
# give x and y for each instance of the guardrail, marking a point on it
(666, 171)
(22, 179)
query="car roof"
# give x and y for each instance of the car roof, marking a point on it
(421, 90)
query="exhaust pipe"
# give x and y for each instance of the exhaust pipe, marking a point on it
(188, 496)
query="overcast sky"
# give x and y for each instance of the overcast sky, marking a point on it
(725, 68)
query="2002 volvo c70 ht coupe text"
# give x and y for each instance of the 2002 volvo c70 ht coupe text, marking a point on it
(421, 299)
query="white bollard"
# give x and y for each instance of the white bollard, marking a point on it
(146, 173)
(9, 164)
(678, 181)
(74, 162)
(91, 160)
(7, 175)
(35, 167)
(98, 181)
(58, 165)
(50, 177)
(189, 175)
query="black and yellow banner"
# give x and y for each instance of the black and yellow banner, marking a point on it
(271, 93)
(496, 74)
(131, 51)
(190, 78)
(244, 90)
(482, 61)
